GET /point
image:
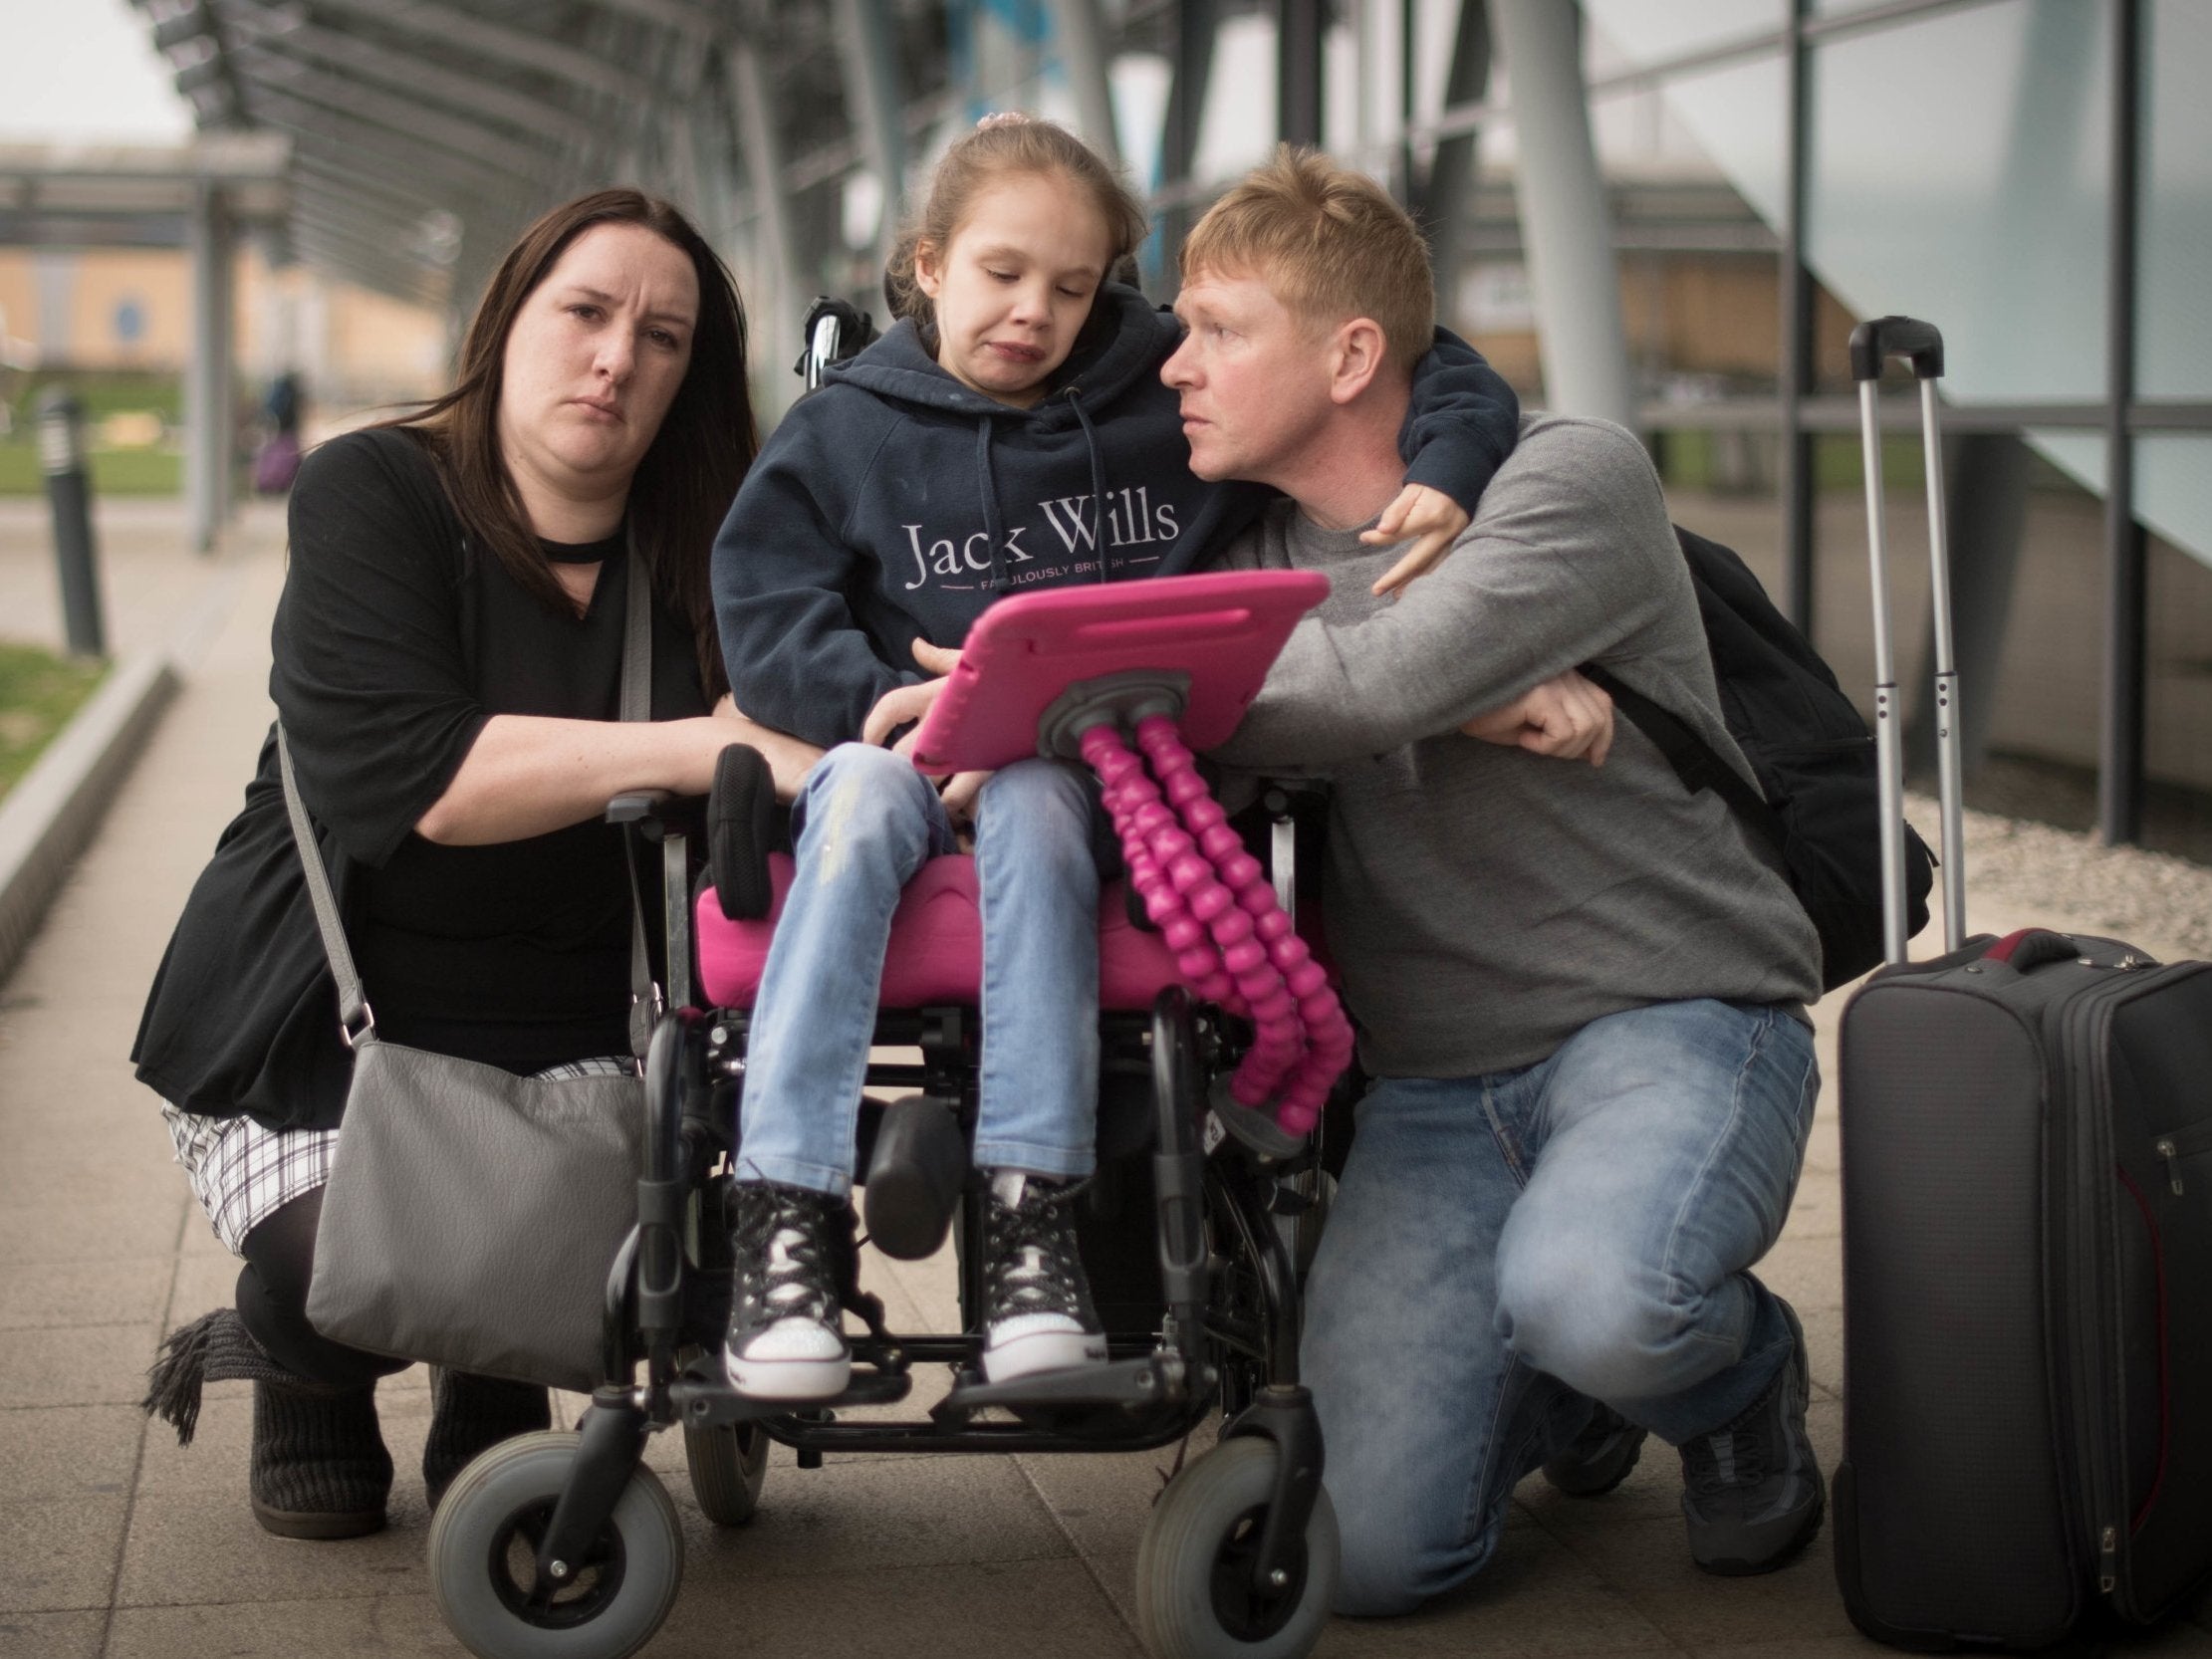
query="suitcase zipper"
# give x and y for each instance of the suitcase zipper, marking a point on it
(2166, 1149)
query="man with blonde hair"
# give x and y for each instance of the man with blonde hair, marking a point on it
(1581, 990)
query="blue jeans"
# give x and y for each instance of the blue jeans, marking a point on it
(863, 823)
(1504, 1249)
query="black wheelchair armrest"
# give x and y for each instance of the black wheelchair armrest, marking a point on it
(741, 828)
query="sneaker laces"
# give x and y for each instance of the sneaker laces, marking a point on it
(1031, 1248)
(787, 1234)
(1732, 1457)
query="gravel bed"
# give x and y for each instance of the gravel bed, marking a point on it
(2126, 892)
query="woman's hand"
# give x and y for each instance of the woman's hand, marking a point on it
(1567, 718)
(1430, 519)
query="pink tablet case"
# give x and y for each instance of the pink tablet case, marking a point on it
(1222, 630)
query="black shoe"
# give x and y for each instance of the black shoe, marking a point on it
(792, 1249)
(1753, 1495)
(470, 1415)
(1599, 1458)
(1037, 1303)
(317, 1468)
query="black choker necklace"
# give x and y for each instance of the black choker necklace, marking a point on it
(583, 553)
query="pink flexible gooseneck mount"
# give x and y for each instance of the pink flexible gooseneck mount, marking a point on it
(1127, 675)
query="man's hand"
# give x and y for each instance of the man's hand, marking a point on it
(1429, 517)
(1567, 718)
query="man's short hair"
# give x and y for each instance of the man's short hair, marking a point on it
(1329, 242)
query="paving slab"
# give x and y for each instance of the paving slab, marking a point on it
(75, 1635)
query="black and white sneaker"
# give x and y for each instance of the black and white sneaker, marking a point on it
(1037, 1303)
(787, 1337)
(1752, 1490)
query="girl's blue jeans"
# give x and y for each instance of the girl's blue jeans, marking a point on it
(862, 823)
(1504, 1249)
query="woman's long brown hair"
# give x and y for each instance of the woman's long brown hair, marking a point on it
(687, 478)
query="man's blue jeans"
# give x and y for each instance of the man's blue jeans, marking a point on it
(1505, 1248)
(862, 823)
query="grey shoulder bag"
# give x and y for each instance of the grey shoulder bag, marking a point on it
(472, 1216)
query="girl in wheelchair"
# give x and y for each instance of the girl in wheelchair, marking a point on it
(1010, 433)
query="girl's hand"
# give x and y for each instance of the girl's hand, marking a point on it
(1567, 718)
(1428, 518)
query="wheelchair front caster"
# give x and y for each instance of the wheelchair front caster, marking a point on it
(728, 1461)
(1195, 1599)
(483, 1559)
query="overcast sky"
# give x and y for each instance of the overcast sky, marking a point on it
(84, 71)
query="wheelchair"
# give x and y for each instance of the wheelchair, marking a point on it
(1194, 1233)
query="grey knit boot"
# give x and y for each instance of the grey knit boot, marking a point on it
(318, 1468)
(470, 1414)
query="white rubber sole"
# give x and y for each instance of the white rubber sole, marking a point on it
(788, 1379)
(1041, 1351)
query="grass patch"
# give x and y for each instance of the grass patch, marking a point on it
(39, 692)
(130, 472)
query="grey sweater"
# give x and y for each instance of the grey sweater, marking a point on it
(1484, 903)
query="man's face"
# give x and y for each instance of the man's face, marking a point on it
(1253, 376)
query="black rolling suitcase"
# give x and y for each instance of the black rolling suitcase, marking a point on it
(2027, 1172)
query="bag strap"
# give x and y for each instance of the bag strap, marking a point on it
(1692, 757)
(356, 1023)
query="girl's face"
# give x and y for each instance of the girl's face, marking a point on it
(1015, 283)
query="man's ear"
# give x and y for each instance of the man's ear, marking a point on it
(1355, 359)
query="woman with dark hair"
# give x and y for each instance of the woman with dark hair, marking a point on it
(447, 659)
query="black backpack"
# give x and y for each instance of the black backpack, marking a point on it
(1812, 752)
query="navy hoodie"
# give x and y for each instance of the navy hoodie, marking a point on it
(896, 503)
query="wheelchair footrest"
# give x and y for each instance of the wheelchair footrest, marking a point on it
(704, 1398)
(1135, 1383)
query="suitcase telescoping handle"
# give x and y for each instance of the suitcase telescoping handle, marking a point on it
(1920, 344)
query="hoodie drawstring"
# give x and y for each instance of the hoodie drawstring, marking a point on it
(993, 530)
(1098, 481)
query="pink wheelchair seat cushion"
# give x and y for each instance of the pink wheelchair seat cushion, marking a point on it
(936, 945)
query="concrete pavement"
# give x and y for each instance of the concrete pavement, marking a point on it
(119, 1544)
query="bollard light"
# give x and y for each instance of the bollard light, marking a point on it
(61, 428)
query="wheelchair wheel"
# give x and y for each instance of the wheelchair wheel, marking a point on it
(483, 1551)
(727, 1464)
(1194, 1599)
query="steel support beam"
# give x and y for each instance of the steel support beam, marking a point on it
(408, 116)
(452, 26)
(253, 24)
(1444, 201)
(1080, 34)
(2120, 773)
(1197, 22)
(752, 101)
(867, 31)
(1301, 27)
(1796, 357)
(1572, 274)
(389, 147)
(208, 432)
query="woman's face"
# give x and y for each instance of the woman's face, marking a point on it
(594, 359)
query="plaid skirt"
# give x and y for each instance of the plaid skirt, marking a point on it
(243, 1173)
